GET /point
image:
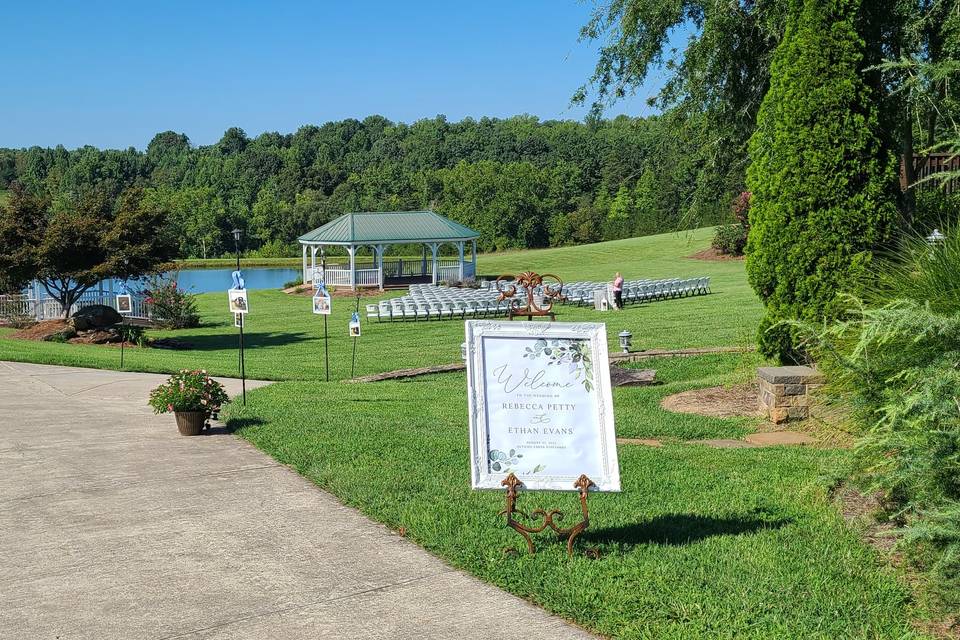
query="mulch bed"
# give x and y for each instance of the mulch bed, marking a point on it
(712, 254)
(306, 290)
(716, 402)
(41, 330)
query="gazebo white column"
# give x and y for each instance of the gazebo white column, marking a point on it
(473, 256)
(460, 252)
(352, 250)
(434, 248)
(379, 249)
(313, 262)
(305, 279)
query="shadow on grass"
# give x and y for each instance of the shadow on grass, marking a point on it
(228, 340)
(234, 425)
(677, 529)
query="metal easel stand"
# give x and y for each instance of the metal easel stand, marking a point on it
(512, 483)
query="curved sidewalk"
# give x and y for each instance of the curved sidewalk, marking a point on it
(113, 526)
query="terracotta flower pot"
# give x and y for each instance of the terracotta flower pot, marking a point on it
(190, 423)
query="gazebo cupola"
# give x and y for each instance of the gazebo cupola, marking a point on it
(378, 231)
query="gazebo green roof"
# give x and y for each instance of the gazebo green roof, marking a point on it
(375, 227)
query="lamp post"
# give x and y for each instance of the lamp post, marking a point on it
(243, 374)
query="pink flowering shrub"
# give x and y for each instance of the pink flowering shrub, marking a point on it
(188, 391)
(170, 306)
(731, 239)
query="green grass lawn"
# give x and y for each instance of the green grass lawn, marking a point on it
(284, 339)
(701, 543)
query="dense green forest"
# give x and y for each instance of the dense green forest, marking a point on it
(519, 181)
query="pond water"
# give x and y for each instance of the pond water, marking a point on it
(207, 280)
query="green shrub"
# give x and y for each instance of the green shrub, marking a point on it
(293, 283)
(935, 209)
(172, 307)
(820, 206)
(926, 273)
(730, 239)
(896, 369)
(132, 333)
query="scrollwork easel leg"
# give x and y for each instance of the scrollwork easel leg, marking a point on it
(511, 482)
(583, 483)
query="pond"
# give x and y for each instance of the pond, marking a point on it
(208, 280)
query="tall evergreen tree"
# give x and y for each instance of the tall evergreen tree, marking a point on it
(821, 179)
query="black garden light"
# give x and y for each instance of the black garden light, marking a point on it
(625, 340)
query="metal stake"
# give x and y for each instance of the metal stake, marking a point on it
(326, 350)
(353, 362)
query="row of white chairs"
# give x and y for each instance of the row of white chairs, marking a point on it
(433, 302)
(404, 309)
(637, 291)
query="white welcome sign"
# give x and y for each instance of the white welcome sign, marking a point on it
(540, 404)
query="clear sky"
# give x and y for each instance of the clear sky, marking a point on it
(112, 74)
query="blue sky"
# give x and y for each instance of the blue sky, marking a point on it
(112, 74)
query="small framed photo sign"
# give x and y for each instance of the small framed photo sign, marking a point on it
(124, 304)
(239, 303)
(540, 405)
(321, 302)
(355, 325)
(238, 320)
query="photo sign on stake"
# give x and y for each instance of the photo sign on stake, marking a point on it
(238, 301)
(321, 301)
(540, 405)
(124, 304)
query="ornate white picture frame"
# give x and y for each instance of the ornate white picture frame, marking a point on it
(540, 404)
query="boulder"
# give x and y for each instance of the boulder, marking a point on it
(80, 323)
(97, 316)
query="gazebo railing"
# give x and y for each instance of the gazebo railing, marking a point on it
(368, 275)
(336, 276)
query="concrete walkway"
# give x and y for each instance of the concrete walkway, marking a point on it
(114, 526)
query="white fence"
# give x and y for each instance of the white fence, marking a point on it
(45, 308)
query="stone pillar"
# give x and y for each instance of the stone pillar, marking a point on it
(786, 393)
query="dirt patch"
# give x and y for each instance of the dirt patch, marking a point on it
(41, 330)
(859, 509)
(716, 402)
(712, 254)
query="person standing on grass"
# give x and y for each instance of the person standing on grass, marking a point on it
(618, 291)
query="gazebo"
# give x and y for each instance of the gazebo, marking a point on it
(380, 230)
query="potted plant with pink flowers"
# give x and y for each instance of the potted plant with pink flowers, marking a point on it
(192, 396)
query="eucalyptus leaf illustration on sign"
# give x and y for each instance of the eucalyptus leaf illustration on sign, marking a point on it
(575, 354)
(503, 462)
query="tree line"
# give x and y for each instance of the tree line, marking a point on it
(520, 182)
